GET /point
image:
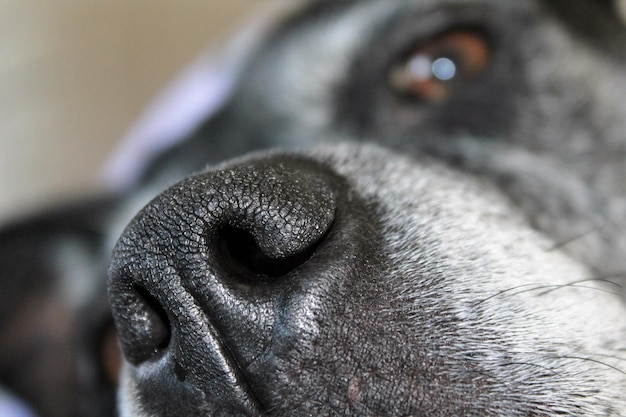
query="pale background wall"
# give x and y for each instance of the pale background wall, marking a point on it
(75, 74)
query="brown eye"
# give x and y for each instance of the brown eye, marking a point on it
(435, 69)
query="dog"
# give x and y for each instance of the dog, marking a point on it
(429, 220)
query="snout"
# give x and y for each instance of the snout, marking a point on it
(223, 271)
(353, 281)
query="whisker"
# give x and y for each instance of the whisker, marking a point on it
(577, 237)
(550, 288)
(596, 361)
(574, 284)
(617, 358)
(503, 292)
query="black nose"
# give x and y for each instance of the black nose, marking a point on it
(199, 278)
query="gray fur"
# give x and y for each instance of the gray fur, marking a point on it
(493, 284)
(463, 257)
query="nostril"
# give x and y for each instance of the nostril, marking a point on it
(149, 331)
(242, 255)
(249, 225)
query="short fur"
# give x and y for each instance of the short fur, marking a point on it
(391, 257)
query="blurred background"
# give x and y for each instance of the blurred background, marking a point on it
(76, 74)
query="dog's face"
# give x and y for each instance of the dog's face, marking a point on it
(469, 276)
(440, 232)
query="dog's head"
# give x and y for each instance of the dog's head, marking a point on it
(469, 276)
(442, 231)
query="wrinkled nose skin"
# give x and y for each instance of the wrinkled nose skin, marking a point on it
(228, 273)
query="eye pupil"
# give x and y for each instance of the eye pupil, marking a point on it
(444, 69)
